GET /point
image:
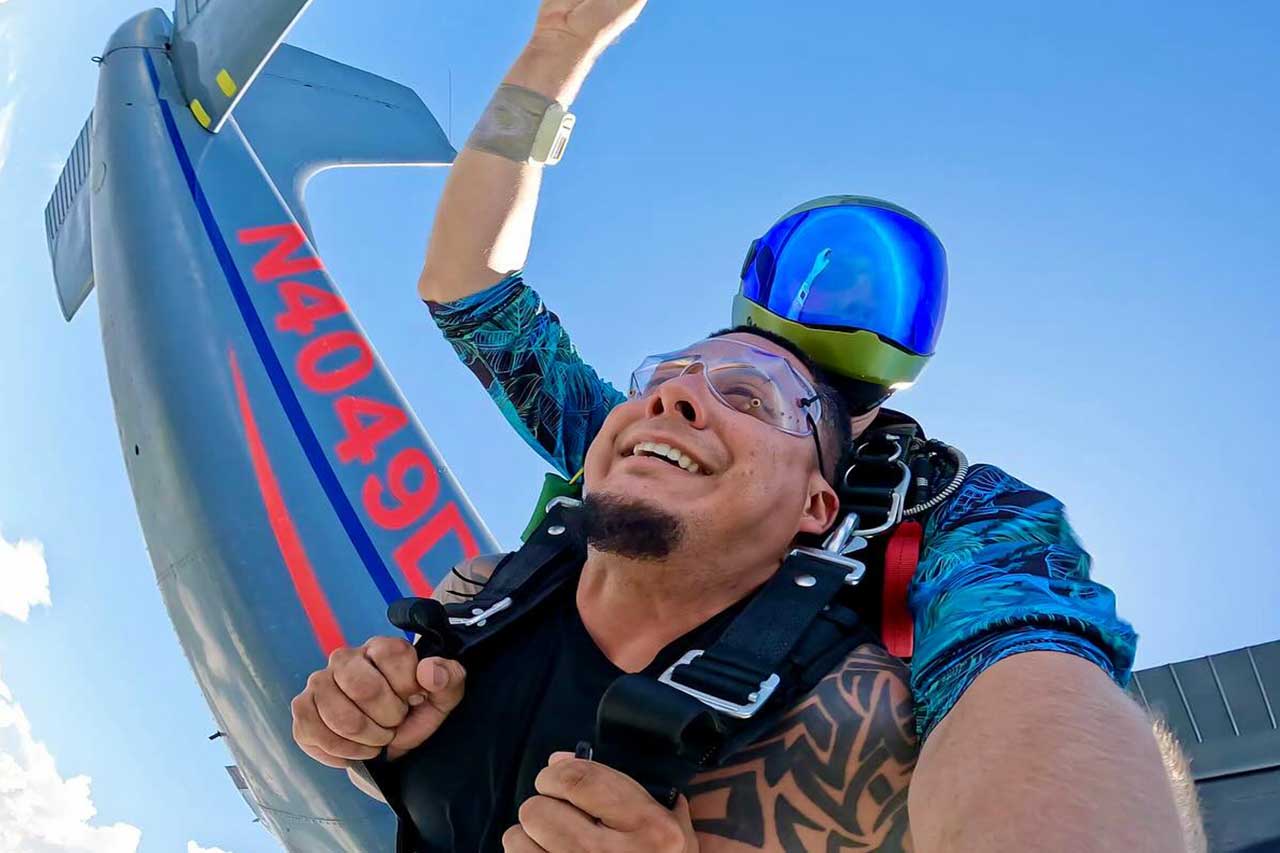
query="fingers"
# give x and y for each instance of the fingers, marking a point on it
(443, 682)
(342, 716)
(516, 840)
(559, 826)
(319, 741)
(374, 696)
(615, 799)
(325, 758)
(367, 687)
(397, 661)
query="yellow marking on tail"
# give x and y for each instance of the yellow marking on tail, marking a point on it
(226, 84)
(197, 109)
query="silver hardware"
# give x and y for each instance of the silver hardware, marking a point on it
(895, 440)
(854, 569)
(806, 581)
(555, 529)
(897, 502)
(854, 545)
(562, 500)
(835, 543)
(478, 617)
(755, 700)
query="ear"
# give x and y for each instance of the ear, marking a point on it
(821, 508)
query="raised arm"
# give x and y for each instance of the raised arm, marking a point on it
(485, 218)
(500, 328)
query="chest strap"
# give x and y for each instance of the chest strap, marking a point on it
(663, 729)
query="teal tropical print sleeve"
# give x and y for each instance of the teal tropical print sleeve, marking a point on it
(1000, 573)
(522, 355)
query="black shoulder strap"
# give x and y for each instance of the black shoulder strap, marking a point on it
(662, 731)
(520, 583)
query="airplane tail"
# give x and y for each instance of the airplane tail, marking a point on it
(300, 111)
(66, 225)
(220, 46)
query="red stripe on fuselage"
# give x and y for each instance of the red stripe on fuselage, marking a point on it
(323, 624)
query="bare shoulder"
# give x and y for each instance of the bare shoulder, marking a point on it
(832, 775)
(466, 579)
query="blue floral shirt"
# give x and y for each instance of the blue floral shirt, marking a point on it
(1000, 572)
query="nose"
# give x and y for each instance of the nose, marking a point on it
(685, 396)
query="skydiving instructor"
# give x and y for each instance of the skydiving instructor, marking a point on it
(1020, 739)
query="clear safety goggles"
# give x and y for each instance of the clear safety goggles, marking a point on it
(744, 378)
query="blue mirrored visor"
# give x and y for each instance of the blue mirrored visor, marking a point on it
(853, 266)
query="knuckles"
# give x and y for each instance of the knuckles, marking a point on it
(341, 655)
(363, 686)
(534, 809)
(390, 649)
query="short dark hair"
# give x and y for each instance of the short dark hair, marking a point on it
(835, 411)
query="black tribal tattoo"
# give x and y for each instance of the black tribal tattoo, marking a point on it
(832, 775)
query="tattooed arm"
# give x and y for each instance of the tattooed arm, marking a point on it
(831, 776)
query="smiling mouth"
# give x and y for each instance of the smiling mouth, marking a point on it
(670, 455)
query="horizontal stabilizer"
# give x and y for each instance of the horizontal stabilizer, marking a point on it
(219, 46)
(307, 113)
(66, 225)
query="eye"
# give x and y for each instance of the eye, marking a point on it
(747, 400)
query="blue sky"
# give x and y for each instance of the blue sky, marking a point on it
(1103, 176)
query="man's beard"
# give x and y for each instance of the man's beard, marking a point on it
(629, 528)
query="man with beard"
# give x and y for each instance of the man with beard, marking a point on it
(696, 489)
(1007, 732)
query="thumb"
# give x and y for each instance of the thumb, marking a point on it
(443, 682)
(685, 819)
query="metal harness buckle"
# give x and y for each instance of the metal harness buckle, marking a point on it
(745, 711)
(885, 481)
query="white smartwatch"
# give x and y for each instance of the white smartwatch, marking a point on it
(523, 126)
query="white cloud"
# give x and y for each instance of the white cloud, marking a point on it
(40, 812)
(24, 577)
(192, 847)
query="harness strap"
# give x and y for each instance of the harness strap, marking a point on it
(900, 560)
(755, 645)
(662, 731)
(520, 583)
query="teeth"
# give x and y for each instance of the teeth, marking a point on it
(668, 452)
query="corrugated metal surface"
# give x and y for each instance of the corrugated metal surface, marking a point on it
(1223, 710)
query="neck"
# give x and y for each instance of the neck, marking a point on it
(634, 608)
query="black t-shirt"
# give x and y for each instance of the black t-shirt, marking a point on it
(527, 695)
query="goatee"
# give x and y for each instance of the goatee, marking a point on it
(629, 528)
